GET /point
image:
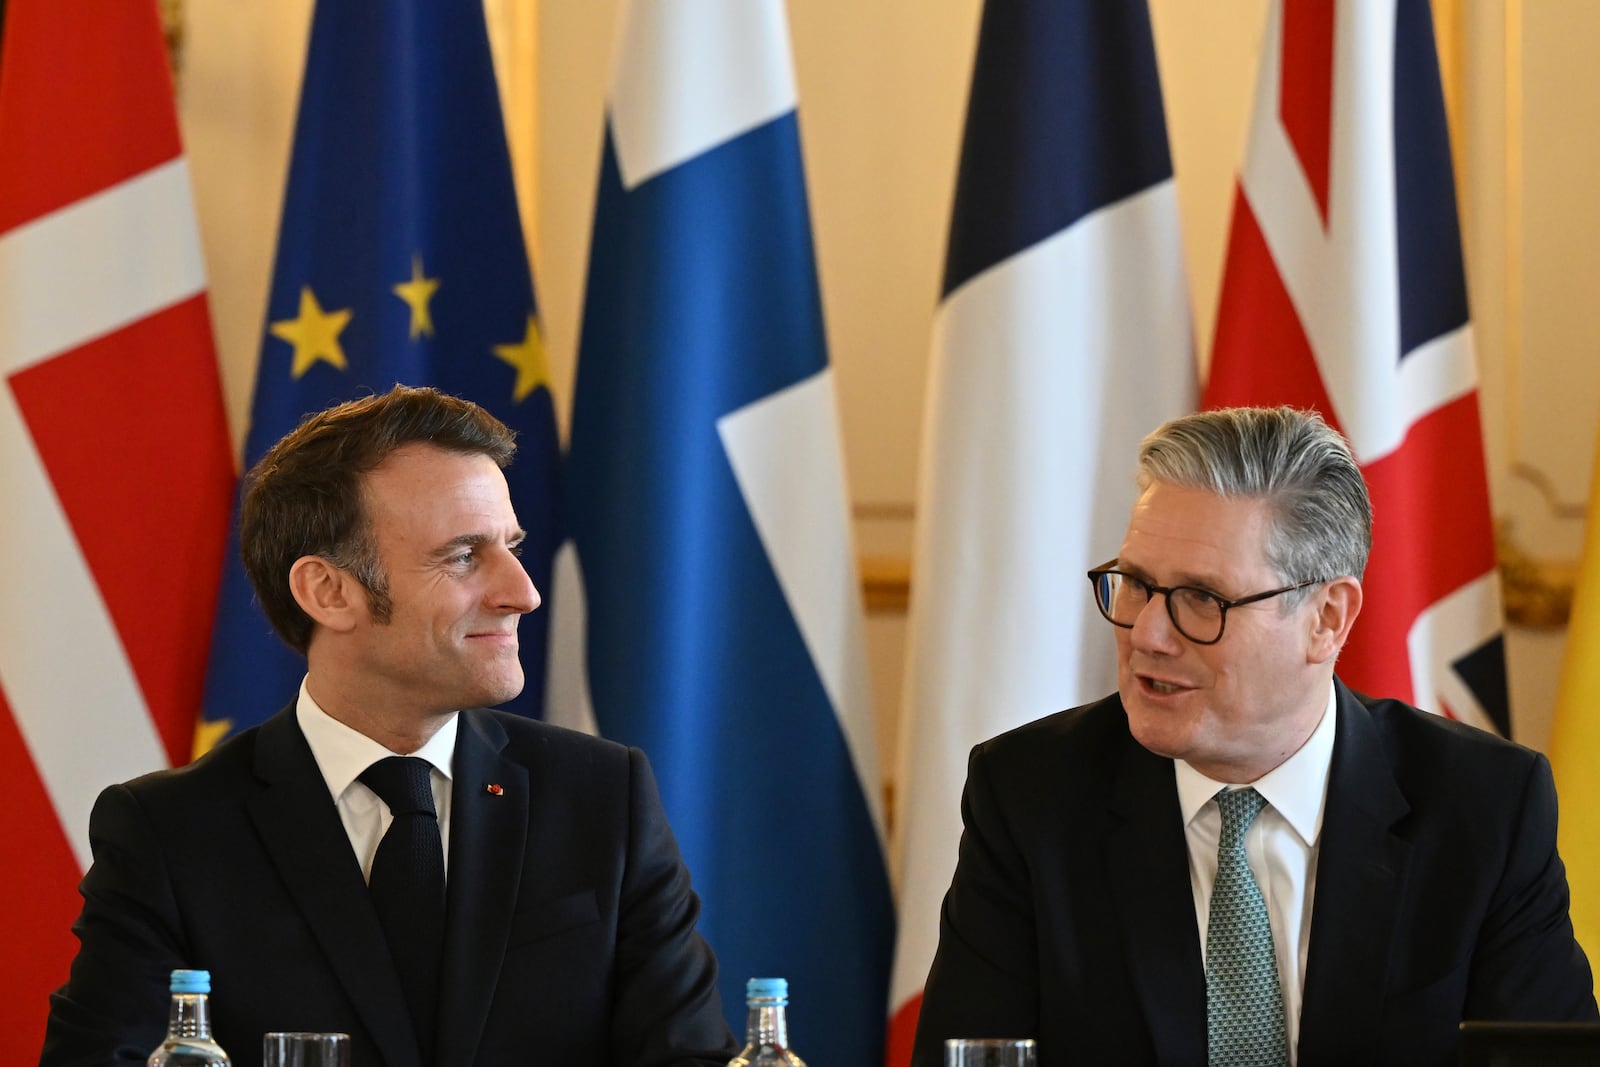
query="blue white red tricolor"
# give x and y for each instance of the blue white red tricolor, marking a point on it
(1063, 337)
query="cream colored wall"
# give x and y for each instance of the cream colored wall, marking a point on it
(237, 96)
(882, 91)
(1528, 104)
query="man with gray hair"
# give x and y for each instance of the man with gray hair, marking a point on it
(1235, 859)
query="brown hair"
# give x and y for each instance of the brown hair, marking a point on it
(304, 497)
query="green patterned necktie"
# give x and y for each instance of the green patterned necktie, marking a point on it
(1244, 1007)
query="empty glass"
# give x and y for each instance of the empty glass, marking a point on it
(988, 1052)
(305, 1050)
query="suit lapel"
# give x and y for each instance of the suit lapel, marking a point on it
(488, 835)
(1149, 863)
(1361, 867)
(301, 831)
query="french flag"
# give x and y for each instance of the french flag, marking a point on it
(1344, 292)
(1062, 337)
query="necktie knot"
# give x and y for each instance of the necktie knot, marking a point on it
(1239, 809)
(402, 782)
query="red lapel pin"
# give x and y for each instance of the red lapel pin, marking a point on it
(494, 789)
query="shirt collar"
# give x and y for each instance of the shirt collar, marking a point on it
(1297, 788)
(342, 753)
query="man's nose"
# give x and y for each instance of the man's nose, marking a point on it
(514, 590)
(1153, 630)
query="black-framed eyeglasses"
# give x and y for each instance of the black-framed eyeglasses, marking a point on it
(1198, 614)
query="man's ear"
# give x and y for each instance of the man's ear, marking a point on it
(1337, 604)
(332, 597)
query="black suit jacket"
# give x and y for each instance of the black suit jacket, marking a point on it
(570, 935)
(1439, 897)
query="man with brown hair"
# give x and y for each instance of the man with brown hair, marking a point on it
(385, 857)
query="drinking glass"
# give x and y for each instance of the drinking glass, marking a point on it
(305, 1050)
(988, 1052)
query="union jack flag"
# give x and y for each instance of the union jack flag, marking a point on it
(1344, 292)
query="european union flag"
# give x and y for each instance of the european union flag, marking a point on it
(400, 259)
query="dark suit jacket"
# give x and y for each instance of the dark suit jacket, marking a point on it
(1439, 897)
(570, 935)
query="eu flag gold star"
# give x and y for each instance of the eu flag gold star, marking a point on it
(416, 293)
(314, 334)
(207, 734)
(527, 357)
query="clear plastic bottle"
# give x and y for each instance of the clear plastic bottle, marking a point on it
(188, 1042)
(766, 1042)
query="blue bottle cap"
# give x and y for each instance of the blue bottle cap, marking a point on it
(191, 981)
(767, 989)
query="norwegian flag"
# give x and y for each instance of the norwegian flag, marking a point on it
(115, 467)
(1344, 291)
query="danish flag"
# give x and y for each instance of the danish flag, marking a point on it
(1344, 292)
(115, 466)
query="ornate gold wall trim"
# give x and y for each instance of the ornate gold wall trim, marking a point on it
(886, 584)
(1449, 33)
(1538, 593)
(172, 29)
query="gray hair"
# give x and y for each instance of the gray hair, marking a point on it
(1321, 524)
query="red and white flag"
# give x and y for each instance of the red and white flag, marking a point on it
(1344, 291)
(115, 466)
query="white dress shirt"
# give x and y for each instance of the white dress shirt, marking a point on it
(1282, 847)
(343, 753)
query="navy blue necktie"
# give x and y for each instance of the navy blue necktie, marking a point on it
(407, 886)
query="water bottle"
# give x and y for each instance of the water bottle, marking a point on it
(188, 1042)
(766, 1042)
